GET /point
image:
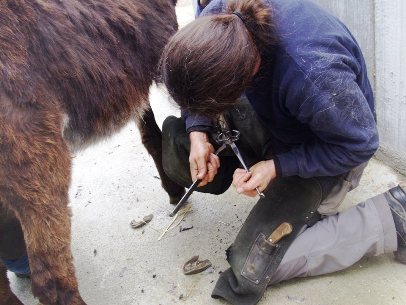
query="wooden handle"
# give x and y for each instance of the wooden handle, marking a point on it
(283, 230)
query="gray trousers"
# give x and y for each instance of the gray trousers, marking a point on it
(338, 241)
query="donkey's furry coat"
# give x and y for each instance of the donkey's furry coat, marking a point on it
(71, 72)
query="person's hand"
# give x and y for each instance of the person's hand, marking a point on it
(260, 175)
(203, 162)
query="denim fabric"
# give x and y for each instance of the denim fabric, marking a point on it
(19, 266)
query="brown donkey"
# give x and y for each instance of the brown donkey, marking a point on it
(71, 72)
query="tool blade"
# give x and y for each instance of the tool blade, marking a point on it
(238, 154)
(185, 197)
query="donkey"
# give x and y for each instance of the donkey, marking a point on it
(71, 73)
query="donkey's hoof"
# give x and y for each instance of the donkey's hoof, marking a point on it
(43, 283)
(175, 199)
(69, 298)
(46, 292)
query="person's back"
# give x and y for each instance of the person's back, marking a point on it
(312, 88)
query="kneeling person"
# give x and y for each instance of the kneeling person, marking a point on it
(292, 79)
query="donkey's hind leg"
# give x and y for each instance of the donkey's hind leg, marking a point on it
(151, 137)
(35, 168)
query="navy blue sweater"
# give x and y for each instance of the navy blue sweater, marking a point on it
(313, 93)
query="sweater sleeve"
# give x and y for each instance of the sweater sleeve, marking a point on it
(198, 8)
(196, 122)
(343, 124)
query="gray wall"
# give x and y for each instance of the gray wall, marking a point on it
(358, 16)
(390, 38)
(380, 28)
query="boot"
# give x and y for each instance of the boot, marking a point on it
(397, 203)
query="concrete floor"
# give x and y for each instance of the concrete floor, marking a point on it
(116, 181)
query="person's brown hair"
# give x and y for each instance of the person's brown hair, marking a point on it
(209, 63)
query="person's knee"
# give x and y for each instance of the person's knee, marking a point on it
(172, 123)
(175, 150)
(217, 187)
(175, 159)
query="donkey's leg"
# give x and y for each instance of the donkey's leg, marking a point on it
(34, 179)
(51, 263)
(45, 219)
(7, 297)
(151, 137)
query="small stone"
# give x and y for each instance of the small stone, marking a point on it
(296, 299)
(148, 218)
(123, 270)
(181, 229)
(135, 224)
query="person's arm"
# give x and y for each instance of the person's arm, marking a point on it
(203, 162)
(344, 127)
(259, 176)
(196, 122)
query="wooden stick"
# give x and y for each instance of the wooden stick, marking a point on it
(180, 216)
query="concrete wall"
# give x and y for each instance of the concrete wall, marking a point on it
(358, 16)
(390, 25)
(380, 28)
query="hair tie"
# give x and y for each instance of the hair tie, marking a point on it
(239, 15)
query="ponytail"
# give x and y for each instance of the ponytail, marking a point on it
(257, 18)
(209, 63)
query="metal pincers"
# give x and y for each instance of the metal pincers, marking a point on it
(229, 137)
